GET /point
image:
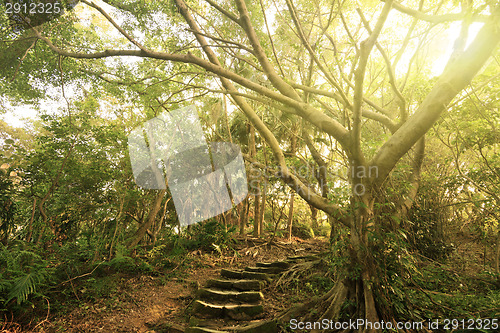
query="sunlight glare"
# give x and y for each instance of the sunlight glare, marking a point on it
(451, 35)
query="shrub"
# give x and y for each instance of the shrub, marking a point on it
(23, 273)
(211, 236)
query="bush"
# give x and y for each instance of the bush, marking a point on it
(427, 237)
(302, 231)
(323, 230)
(23, 273)
(211, 236)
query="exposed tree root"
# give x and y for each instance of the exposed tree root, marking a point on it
(344, 300)
(335, 301)
(296, 271)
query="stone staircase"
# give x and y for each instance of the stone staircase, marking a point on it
(234, 298)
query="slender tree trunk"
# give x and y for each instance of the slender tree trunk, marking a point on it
(243, 216)
(290, 215)
(52, 188)
(153, 211)
(314, 217)
(239, 211)
(497, 256)
(221, 219)
(30, 225)
(159, 225)
(264, 194)
(117, 221)
(224, 105)
(256, 222)
(254, 181)
(262, 209)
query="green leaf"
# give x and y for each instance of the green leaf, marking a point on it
(23, 287)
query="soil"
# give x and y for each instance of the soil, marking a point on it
(143, 302)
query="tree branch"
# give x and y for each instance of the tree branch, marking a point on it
(435, 18)
(241, 46)
(390, 71)
(359, 76)
(312, 198)
(305, 192)
(120, 29)
(224, 12)
(451, 82)
(261, 56)
(304, 41)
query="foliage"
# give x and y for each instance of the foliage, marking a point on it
(211, 236)
(7, 206)
(24, 273)
(395, 266)
(302, 231)
(438, 291)
(426, 233)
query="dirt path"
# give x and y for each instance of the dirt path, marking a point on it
(144, 302)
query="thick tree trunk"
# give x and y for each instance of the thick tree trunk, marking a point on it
(357, 282)
(364, 223)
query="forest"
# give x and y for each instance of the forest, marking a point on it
(249, 166)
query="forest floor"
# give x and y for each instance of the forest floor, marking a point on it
(142, 302)
(131, 299)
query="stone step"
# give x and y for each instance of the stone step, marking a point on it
(242, 285)
(268, 270)
(234, 311)
(294, 259)
(240, 274)
(213, 323)
(281, 264)
(202, 330)
(230, 295)
(258, 327)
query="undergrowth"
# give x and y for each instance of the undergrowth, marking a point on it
(32, 277)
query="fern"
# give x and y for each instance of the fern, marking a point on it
(23, 287)
(15, 259)
(22, 273)
(4, 286)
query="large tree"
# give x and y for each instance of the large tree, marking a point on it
(351, 74)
